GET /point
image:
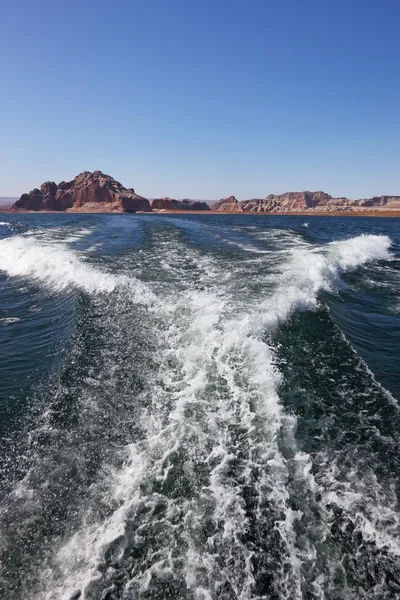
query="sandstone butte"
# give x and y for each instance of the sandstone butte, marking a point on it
(97, 192)
(88, 192)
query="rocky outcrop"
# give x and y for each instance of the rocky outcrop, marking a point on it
(229, 204)
(288, 202)
(88, 192)
(172, 204)
(164, 204)
(389, 202)
(305, 201)
(31, 201)
(49, 187)
(193, 205)
(97, 192)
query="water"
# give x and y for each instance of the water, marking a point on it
(199, 407)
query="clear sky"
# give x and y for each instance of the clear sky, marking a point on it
(201, 98)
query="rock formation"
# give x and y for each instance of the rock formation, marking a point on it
(96, 192)
(88, 192)
(306, 201)
(172, 204)
(164, 204)
(229, 204)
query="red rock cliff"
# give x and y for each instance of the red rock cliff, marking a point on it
(229, 204)
(88, 192)
(305, 201)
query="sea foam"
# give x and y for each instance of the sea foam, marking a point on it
(214, 401)
(58, 267)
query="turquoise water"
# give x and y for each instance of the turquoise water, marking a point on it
(199, 407)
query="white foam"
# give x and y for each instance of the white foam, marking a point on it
(206, 346)
(373, 511)
(313, 270)
(58, 267)
(52, 265)
(9, 320)
(212, 340)
(360, 250)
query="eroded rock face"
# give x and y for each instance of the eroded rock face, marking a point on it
(193, 205)
(164, 204)
(49, 202)
(172, 204)
(229, 204)
(305, 201)
(31, 201)
(88, 191)
(49, 187)
(97, 192)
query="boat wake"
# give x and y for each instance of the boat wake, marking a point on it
(189, 477)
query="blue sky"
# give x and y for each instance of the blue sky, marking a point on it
(202, 99)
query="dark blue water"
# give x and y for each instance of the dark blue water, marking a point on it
(199, 407)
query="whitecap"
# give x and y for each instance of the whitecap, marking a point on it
(9, 320)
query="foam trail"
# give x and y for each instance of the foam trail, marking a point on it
(229, 348)
(206, 351)
(215, 403)
(311, 271)
(58, 267)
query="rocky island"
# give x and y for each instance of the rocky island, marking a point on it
(97, 192)
(88, 192)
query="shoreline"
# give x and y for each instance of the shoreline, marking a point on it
(338, 213)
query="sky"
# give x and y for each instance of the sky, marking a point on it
(202, 99)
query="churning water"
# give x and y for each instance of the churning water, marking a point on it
(199, 407)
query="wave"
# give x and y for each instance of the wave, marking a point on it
(52, 265)
(57, 267)
(9, 320)
(313, 270)
(213, 426)
(360, 250)
(202, 500)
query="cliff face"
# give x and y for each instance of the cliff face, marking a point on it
(306, 201)
(389, 202)
(229, 204)
(290, 201)
(97, 192)
(164, 204)
(88, 192)
(172, 204)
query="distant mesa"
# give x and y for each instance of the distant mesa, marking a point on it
(6, 202)
(292, 202)
(172, 204)
(88, 192)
